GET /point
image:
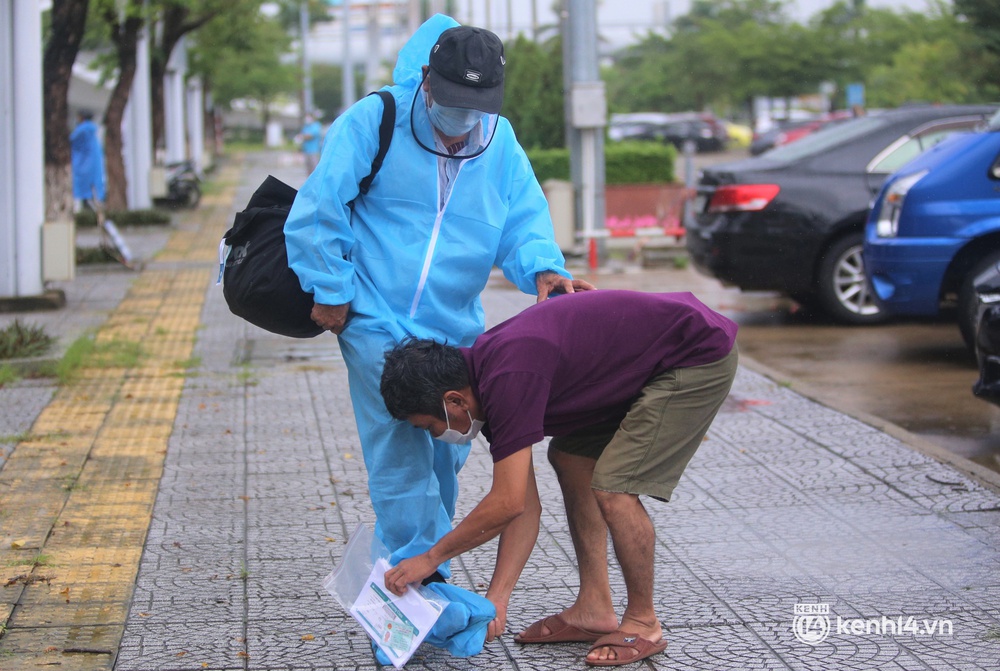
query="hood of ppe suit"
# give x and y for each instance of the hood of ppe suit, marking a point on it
(416, 52)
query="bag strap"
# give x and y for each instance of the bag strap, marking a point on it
(385, 129)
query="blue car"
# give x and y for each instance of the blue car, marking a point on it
(935, 226)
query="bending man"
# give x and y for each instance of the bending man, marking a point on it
(628, 383)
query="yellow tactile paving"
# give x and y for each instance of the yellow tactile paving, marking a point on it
(76, 496)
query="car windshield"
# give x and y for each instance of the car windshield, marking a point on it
(833, 134)
(994, 122)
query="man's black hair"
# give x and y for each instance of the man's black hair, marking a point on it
(417, 374)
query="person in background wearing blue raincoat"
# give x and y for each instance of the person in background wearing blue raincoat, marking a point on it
(87, 161)
(309, 137)
(455, 196)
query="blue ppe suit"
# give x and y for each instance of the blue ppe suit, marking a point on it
(87, 162)
(314, 131)
(409, 265)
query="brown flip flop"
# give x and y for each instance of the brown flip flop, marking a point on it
(628, 648)
(560, 631)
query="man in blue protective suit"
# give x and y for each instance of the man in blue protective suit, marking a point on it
(455, 196)
(87, 161)
(310, 137)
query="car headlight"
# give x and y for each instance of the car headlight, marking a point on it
(887, 224)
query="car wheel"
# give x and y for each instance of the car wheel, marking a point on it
(844, 291)
(968, 304)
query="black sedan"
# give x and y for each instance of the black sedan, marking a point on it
(987, 342)
(792, 220)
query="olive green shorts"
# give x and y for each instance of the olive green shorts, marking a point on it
(647, 451)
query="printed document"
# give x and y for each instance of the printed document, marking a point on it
(397, 624)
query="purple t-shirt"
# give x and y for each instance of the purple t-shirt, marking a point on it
(581, 359)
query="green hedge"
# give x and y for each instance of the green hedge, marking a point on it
(624, 163)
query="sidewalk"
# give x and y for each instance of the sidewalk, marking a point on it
(180, 511)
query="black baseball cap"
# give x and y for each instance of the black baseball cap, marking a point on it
(466, 69)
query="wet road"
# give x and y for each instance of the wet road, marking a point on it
(917, 376)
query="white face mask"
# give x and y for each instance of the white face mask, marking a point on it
(453, 121)
(456, 437)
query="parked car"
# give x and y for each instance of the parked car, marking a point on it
(704, 130)
(738, 134)
(766, 140)
(636, 126)
(801, 130)
(935, 226)
(792, 220)
(707, 132)
(987, 342)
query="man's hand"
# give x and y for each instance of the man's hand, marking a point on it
(498, 625)
(550, 282)
(333, 318)
(408, 571)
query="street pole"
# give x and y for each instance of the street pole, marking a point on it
(413, 16)
(586, 117)
(173, 97)
(140, 128)
(373, 63)
(196, 123)
(22, 151)
(307, 87)
(347, 76)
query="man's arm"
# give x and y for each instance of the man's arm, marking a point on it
(516, 543)
(527, 241)
(505, 501)
(318, 234)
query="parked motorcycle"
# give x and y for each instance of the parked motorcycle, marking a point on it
(183, 186)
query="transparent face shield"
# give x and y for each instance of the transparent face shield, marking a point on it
(479, 137)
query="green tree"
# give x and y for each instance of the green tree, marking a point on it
(533, 92)
(920, 72)
(328, 86)
(175, 19)
(984, 17)
(727, 52)
(245, 59)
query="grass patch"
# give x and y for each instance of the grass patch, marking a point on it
(8, 375)
(85, 353)
(246, 376)
(19, 341)
(992, 634)
(188, 364)
(36, 561)
(15, 438)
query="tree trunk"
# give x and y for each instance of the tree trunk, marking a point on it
(175, 23)
(68, 21)
(125, 36)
